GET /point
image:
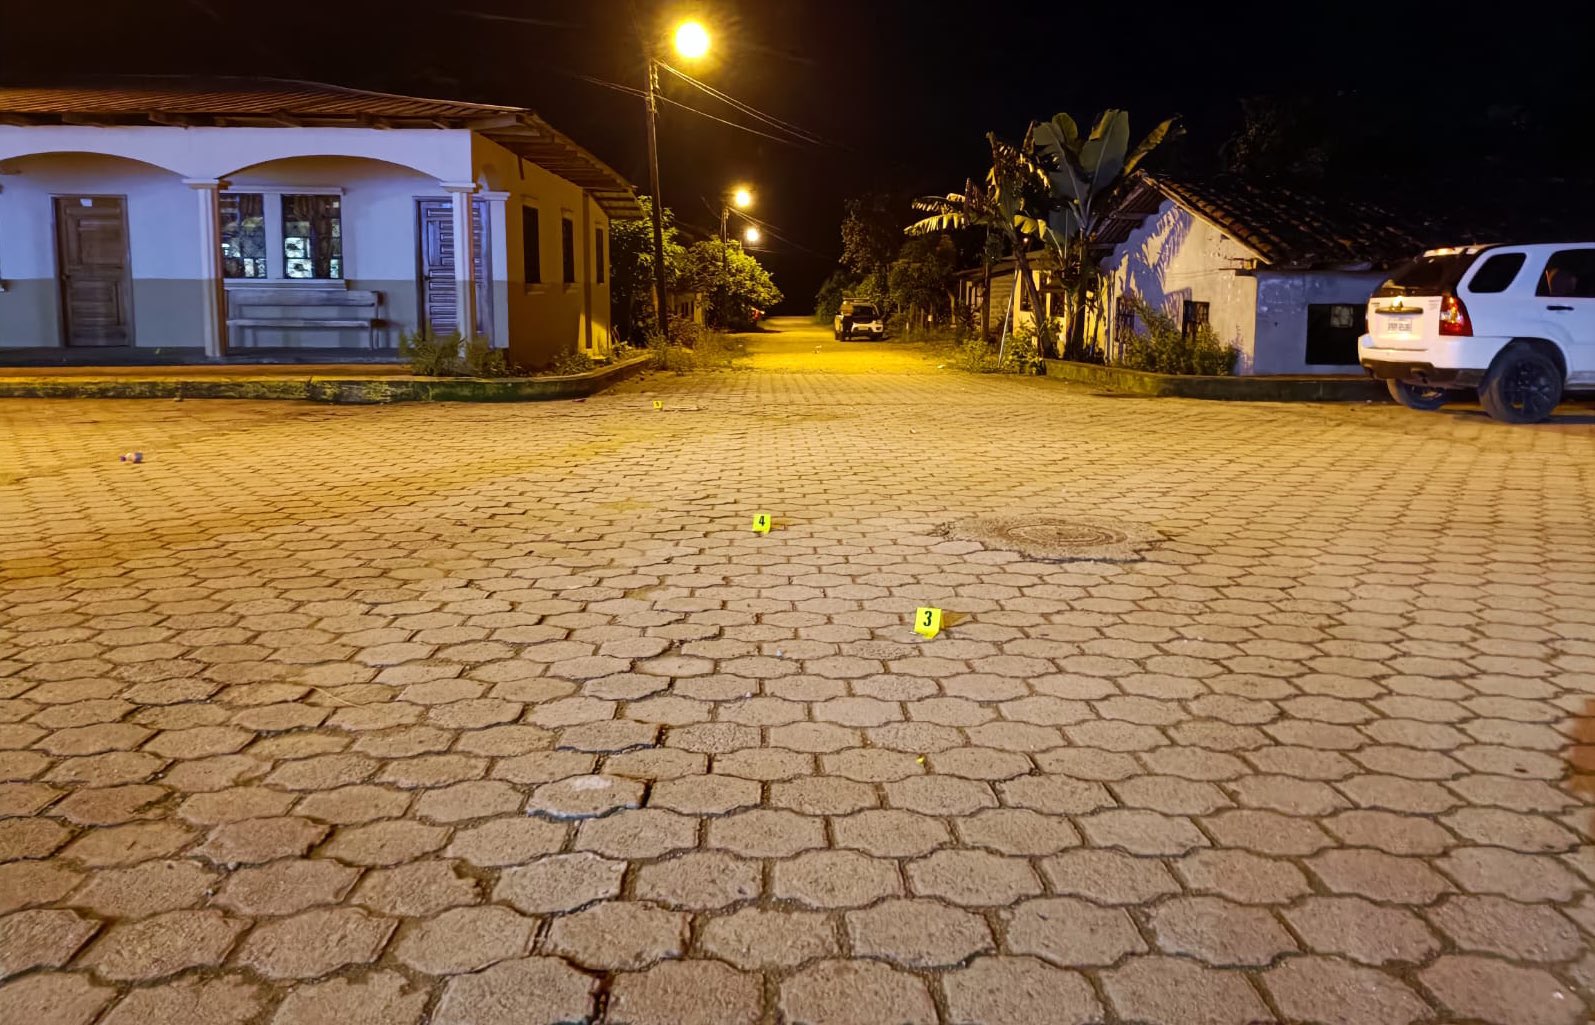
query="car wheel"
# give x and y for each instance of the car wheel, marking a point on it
(1523, 386)
(1418, 396)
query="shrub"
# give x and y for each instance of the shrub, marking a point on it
(573, 363)
(450, 355)
(685, 333)
(430, 355)
(480, 359)
(1018, 355)
(1161, 347)
(710, 350)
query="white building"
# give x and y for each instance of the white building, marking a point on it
(239, 217)
(1282, 276)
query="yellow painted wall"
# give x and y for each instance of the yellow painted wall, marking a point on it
(550, 317)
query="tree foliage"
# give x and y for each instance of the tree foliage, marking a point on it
(872, 231)
(631, 267)
(828, 300)
(733, 289)
(1006, 205)
(920, 279)
(1053, 190)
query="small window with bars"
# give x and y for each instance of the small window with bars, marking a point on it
(1123, 317)
(1193, 317)
(567, 243)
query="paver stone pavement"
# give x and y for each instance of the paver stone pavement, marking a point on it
(500, 715)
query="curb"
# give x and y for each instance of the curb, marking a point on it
(335, 390)
(1228, 389)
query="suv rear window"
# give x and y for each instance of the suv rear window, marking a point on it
(1428, 275)
(864, 312)
(1496, 274)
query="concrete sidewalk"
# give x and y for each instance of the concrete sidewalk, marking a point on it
(354, 383)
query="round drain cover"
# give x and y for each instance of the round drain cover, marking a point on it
(1054, 538)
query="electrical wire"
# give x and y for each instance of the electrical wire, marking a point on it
(763, 225)
(745, 108)
(642, 93)
(796, 131)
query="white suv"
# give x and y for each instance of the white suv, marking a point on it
(1515, 322)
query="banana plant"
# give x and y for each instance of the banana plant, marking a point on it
(1003, 205)
(1082, 175)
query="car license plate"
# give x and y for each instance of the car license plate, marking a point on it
(1398, 326)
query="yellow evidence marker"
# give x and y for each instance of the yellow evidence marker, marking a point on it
(659, 403)
(761, 523)
(927, 622)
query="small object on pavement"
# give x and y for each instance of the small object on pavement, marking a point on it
(659, 403)
(761, 523)
(131, 457)
(927, 622)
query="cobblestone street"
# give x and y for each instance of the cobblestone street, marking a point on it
(502, 715)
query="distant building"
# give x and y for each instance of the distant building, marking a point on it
(1284, 277)
(232, 217)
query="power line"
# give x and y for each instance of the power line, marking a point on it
(795, 131)
(633, 91)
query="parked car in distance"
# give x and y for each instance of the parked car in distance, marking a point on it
(859, 317)
(1517, 322)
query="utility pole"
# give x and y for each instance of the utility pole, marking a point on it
(661, 307)
(725, 267)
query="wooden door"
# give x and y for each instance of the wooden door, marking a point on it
(435, 230)
(92, 266)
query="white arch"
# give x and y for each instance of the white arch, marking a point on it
(12, 159)
(442, 154)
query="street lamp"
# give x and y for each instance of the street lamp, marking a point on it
(692, 42)
(742, 197)
(752, 235)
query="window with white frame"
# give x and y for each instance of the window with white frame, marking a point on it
(296, 236)
(243, 216)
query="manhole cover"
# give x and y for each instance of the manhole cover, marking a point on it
(1055, 538)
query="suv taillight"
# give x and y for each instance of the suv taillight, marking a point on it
(1454, 316)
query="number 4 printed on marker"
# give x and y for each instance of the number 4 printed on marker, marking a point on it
(761, 523)
(927, 622)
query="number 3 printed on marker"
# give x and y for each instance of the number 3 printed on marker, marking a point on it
(927, 622)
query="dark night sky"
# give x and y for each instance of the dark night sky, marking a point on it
(907, 89)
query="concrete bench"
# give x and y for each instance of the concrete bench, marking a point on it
(295, 309)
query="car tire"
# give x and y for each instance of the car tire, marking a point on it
(1523, 386)
(1424, 397)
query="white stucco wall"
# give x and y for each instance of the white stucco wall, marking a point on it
(380, 251)
(1282, 301)
(379, 174)
(1174, 256)
(162, 215)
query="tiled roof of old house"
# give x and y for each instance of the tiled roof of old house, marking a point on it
(279, 103)
(1285, 227)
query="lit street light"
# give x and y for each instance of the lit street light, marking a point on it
(692, 42)
(742, 197)
(752, 235)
